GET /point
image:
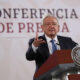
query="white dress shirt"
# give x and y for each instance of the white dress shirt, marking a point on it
(50, 44)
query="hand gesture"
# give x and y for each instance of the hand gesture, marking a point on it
(37, 41)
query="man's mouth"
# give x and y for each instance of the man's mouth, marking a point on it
(52, 30)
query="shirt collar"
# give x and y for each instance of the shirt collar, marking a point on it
(49, 39)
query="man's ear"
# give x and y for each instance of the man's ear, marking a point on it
(42, 27)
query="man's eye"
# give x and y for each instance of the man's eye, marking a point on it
(54, 24)
(48, 24)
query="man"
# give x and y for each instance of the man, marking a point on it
(40, 48)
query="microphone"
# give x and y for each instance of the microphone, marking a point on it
(57, 43)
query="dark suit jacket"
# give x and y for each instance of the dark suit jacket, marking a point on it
(42, 53)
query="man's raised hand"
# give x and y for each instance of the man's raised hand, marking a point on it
(38, 41)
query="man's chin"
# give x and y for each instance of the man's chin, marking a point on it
(52, 35)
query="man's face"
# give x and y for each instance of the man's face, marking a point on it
(50, 26)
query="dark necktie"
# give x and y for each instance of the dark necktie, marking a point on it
(54, 48)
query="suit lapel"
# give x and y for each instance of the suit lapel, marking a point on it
(61, 42)
(45, 47)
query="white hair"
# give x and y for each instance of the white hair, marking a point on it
(48, 15)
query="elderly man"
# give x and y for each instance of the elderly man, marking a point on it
(41, 47)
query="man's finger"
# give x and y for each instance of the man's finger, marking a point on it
(36, 35)
(41, 41)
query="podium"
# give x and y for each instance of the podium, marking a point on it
(58, 65)
(74, 77)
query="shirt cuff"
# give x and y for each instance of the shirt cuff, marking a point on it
(34, 48)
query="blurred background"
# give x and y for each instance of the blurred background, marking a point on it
(20, 20)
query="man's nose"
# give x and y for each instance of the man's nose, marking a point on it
(51, 25)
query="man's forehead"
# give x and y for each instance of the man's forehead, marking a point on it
(50, 19)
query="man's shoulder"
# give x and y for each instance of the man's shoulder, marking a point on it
(63, 37)
(67, 40)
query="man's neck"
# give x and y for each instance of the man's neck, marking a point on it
(52, 36)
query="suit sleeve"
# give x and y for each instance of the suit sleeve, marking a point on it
(30, 55)
(74, 43)
(71, 43)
